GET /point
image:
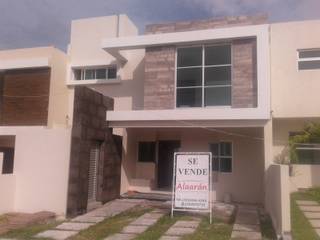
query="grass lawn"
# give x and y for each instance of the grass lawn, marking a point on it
(111, 225)
(27, 233)
(267, 230)
(301, 228)
(215, 231)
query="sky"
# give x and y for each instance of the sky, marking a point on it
(31, 23)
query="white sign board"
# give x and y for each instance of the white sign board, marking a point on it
(192, 182)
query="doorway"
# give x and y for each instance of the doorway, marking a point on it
(166, 151)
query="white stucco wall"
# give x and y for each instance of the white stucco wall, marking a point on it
(41, 169)
(278, 197)
(294, 93)
(85, 50)
(304, 176)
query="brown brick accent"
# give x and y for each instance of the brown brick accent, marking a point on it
(206, 24)
(159, 84)
(244, 73)
(25, 97)
(89, 125)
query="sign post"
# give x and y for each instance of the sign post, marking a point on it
(192, 182)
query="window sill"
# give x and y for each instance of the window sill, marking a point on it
(94, 82)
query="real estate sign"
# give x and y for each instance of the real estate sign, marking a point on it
(192, 182)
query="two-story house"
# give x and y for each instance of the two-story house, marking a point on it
(236, 86)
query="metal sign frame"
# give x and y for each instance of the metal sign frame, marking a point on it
(173, 208)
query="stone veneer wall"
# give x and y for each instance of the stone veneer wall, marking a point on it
(244, 73)
(159, 81)
(89, 126)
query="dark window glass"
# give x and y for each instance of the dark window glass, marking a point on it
(309, 53)
(217, 76)
(77, 74)
(101, 73)
(190, 56)
(8, 160)
(217, 55)
(189, 97)
(225, 164)
(147, 152)
(309, 65)
(89, 74)
(187, 77)
(307, 155)
(217, 96)
(225, 149)
(112, 73)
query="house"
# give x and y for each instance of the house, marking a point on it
(34, 130)
(235, 86)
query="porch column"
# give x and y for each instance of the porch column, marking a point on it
(268, 145)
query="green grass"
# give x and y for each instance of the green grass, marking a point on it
(157, 230)
(314, 193)
(301, 228)
(27, 233)
(215, 231)
(110, 226)
(267, 229)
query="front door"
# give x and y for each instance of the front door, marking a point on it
(165, 162)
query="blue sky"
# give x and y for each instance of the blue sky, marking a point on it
(29, 23)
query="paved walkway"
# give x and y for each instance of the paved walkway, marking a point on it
(247, 224)
(138, 226)
(311, 210)
(180, 229)
(74, 226)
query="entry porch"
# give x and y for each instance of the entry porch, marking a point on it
(238, 160)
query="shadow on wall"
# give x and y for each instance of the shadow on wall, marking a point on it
(130, 93)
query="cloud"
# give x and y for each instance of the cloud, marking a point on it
(29, 23)
(278, 10)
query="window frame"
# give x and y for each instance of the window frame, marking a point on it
(155, 152)
(203, 66)
(311, 59)
(219, 157)
(95, 68)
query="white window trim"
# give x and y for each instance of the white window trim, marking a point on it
(203, 66)
(232, 156)
(306, 59)
(83, 81)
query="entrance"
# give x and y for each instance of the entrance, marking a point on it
(165, 162)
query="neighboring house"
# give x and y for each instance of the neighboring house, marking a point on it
(34, 130)
(236, 87)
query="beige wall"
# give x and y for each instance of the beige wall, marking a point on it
(278, 197)
(304, 176)
(7, 186)
(294, 93)
(41, 167)
(85, 50)
(245, 183)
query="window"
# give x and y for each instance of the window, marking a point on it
(204, 76)
(309, 59)
(147, 152)
(308, 153)
(8, 159)
(221, 157)
(95, 73)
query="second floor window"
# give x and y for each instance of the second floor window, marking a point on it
(309, 59)
(103, 73)
(204, 76)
